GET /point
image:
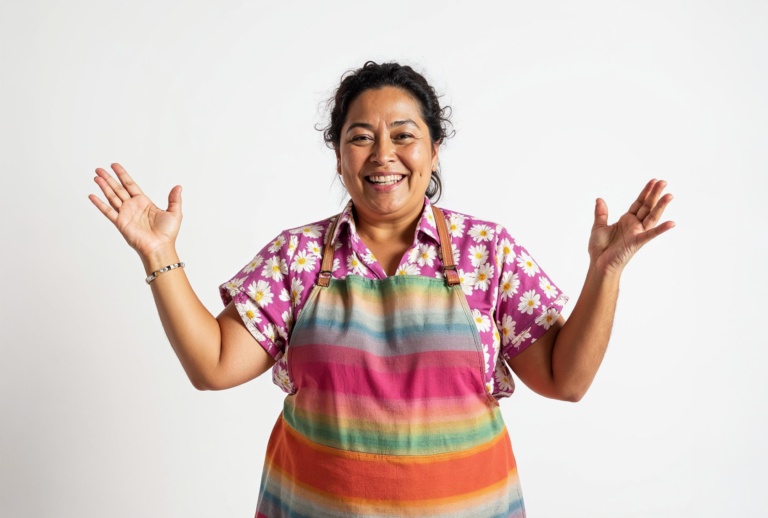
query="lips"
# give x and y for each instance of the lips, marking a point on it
(381, 179)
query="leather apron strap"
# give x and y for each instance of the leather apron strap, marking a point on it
(449, 268)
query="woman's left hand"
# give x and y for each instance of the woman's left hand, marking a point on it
(612, 246)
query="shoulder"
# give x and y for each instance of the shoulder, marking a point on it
(467, 230)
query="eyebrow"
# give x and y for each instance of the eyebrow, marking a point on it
(367, 126)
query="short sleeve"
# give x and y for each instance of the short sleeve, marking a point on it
(528, 302)
(260, 291)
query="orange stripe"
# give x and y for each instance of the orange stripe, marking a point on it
(445, 476)
(369, 506)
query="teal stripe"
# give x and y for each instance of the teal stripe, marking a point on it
(437, 440)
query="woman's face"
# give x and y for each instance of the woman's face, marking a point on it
(385, 155)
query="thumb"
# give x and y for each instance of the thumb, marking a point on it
(601, 213)
(174, 200)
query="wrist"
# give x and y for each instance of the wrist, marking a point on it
(159, 258)
(611, 277)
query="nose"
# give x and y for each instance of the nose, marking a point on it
(383, 151)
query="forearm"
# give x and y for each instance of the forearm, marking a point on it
(193, 331)
(581, 343)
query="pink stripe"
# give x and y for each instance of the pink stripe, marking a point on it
(330, 353)
(420, 382)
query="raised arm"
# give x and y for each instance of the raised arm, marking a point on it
(216, 353)
(564, 361)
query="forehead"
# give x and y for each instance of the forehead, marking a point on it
(384, 105)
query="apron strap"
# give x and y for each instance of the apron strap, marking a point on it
(326, 269)
(449, 269)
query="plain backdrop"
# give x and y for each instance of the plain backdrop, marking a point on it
(555, 104)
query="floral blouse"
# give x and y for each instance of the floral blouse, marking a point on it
(512, 301)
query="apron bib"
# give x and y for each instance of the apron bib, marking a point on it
(391, 415)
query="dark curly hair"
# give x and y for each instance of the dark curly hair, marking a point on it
(375, 76)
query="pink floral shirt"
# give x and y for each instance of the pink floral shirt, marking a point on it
(512, 301)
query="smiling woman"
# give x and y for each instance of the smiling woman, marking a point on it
(392, 326)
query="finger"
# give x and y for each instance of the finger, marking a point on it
(174, 200)
(651, 199)
(653, 233)
(103, 207)
(113, 198)
(601, 213)
(114, 184)
(641, 199)
(125, 179)
(655, 215)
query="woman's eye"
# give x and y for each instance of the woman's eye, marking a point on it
(359, 137)
(404, 135)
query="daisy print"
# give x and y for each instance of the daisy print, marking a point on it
(303, 262)
(269, 331)
(354, 265)
(281, 379)
(547, 288)
(369, 258)
(426, 255)
(482, 321)
(522, 337)
(311, 231)
(429, 217)
(282, 333)
(234, 286)
(509, 285)
(456, 225)
(486, 357)
(478, 255)
(336, 265)
(294, 296)
(251, 312)
(483, 276)
(288, 321)
(481, 233)
(503, 379)
(467, 281)
(277, 244)
(547, 318)
(255, 263)
(413, 254)
(261, 292)
(293, 242)
(314, 249)
(526, 263)
(528, 302)
(276, 268)
(506, 251)
(408, 269)
(507, 329)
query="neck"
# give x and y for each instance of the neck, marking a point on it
(388, 231)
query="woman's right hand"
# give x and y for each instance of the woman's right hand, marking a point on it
(145, 227)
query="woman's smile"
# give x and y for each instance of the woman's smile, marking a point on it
(385, 182)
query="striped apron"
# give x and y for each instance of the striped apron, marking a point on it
(391, 415)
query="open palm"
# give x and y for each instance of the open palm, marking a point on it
(143, 224)
(612, 246)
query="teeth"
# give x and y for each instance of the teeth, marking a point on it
(386, 180)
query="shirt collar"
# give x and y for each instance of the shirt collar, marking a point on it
(426, 224)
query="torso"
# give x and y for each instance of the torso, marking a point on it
(507, 293)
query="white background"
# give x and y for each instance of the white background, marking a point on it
(555, 104)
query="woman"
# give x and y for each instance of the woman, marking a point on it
(389, 325)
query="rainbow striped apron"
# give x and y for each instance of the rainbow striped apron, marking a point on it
(391, 415)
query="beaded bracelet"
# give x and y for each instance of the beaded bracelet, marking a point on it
(163, 270)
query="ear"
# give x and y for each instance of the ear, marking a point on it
(338, 159)
(435, 149)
